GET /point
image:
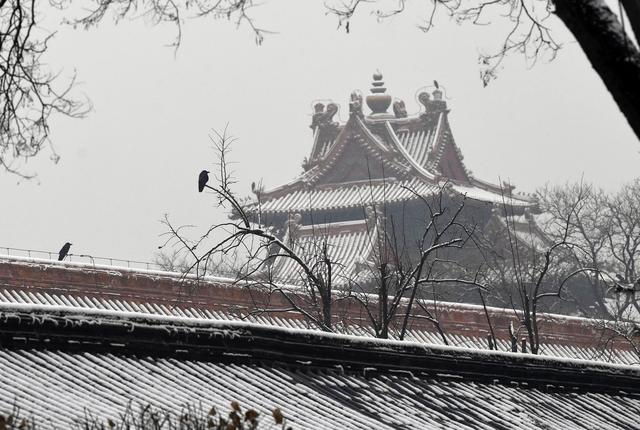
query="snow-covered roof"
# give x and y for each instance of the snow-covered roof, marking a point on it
(490, 196)
(348, 244)
(417, 149)
(353, 195)
(42, 282)
(55, 375)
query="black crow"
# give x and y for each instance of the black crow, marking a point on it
(202, 180)
(64, 251)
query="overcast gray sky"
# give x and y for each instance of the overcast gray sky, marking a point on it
(137, 155)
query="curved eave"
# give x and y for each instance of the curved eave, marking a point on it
(488, 196)
(288, 186)
(347, 197)
(508, 190)
(439, 146)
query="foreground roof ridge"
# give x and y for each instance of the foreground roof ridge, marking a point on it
(145, 335)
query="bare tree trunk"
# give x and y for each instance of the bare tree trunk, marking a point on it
(492, 334)
(527, 322)
(609, 50)
(407, 313)
(383, 297)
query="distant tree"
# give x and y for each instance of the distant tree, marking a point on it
(29, 92)
(532, 269)
(413, 264)
(578, 255)
(605, 38)
(605, 228)
(172, 261)
(582, 213)
(252, 247)
(623, 236)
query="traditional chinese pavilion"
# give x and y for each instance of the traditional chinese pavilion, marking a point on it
(380, 157)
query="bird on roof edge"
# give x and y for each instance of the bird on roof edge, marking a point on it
(202, 180)
(64, 251)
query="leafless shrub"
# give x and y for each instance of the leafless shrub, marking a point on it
(151, 418)
(15, 420)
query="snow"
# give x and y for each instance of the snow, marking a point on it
(140, 311)
(231, 329)
(477, 193)
(113, 270)
(233, 283)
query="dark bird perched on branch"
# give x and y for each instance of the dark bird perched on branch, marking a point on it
(64, 251)
(202, 180)
(436, 84)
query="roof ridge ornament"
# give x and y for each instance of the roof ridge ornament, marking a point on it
(399, 109)
(355, 103)
(322, 117)
(433, 101)
(378, 101)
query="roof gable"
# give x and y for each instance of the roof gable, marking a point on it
(385, 146)
(412, 147)
(356, 163)
(357, 154)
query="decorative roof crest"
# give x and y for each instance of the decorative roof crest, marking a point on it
(355, 103)
(399, 109)
(322, 117)
(432, 101)
(378, 101)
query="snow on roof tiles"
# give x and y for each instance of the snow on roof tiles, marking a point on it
(477, 193)
(418, 144)
(422, 336)
(57, 387)
(344, 247)
(348, 196)
(129, 290)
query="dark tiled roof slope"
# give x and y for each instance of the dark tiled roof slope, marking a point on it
(55, 373)
(55, 387)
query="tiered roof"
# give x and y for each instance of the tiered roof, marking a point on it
(357, 194)
(381, 157)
